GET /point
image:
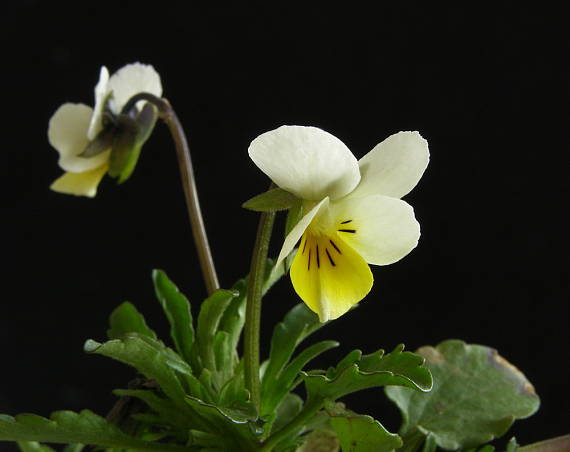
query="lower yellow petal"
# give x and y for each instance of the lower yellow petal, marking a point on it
(329, 276)
(80, 184)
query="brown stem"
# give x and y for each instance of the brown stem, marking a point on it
(167, 114)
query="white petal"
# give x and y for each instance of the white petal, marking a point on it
(380, 228)
(296, 233)
(133, 79)
(80, 184)
(306, 161)
(67, 133)
(394, 166)
(101, 92)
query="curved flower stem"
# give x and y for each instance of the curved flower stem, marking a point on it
(307, 413)
(253, 307)
(167, 114)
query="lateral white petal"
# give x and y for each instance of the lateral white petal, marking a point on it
(394, 166)
(101, 92)
(133, 79)
(296, 233)
(382, 229)
(67, 133)
(306, 161)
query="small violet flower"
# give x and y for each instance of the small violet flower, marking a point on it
(73, 128)
(353, 214)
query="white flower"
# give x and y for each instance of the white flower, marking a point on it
(353, 212)
(73, 126)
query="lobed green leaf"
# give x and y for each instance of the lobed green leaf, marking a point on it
(354, 374)
(359, 433)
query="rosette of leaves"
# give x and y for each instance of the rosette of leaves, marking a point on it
(191, 395)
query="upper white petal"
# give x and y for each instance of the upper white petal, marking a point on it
(133, 79)
(296, 233)
(394, 166)
(386, 228)
(67, 133)
(306, 161)
(101, 92)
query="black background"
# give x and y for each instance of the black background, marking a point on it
(483, 85)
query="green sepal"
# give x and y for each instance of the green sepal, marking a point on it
(361, 433)
(271, 201)
(473, 386)
(69, 427)
(127, 319)
(130, 135)
(355, 374)
(101, 143)
(176, 307)
(294, 215)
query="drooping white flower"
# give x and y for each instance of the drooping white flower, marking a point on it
(353, 212)
(73, 126)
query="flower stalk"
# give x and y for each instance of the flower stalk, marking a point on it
(253, 308)
(168, 115)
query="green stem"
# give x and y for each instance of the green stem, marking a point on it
(167, 114)
(306, 414)
(253, 307)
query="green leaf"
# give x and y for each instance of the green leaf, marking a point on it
(271, 201)
(290, 406)
(224, 357)
(177, 310)
(298, 323)
(231, 423)
(69, 427)
(126, 319)
(512, 445)
(232, 322)
(288, 378)
(74, 447)
(154, 360)
(359, 433)
(473, 386)
(238, 414)
(211, 313)
(397, 368)
(33, 446)
(167, 410)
